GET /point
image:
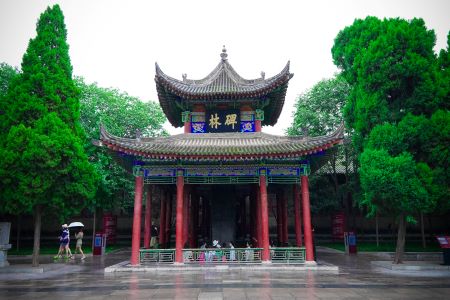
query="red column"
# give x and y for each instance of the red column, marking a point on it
(195, 214)
(179, 221)
(162, 220)
(258, 219)
(187, 127)
(185, 214)
(243, 217)
(298, 218)
(264, 219)
(258, 126)
(168, 218)
(253, 214)
(203, 222)
(279, 220)
(307, 220)
(136, 235)
(285, 217)
(148, 218)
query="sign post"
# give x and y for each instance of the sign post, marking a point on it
(350, 242)
(338, 226)
(99, 243)
(444, 242)
(110, 227)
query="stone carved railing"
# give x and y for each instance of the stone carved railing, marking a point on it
(289, 255)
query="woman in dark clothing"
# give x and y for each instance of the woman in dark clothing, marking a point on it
(64, 240)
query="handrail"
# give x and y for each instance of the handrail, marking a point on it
(282, 255)
(287, 255)
(222, 255)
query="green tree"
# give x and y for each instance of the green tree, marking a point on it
(396, 87)
(318, 111)
(43, 166)
(7, 75)
(122, 115)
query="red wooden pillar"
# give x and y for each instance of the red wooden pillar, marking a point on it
(258, 222)
(253, 214)
(186, 116)
(195, 214)
(285, 218)
(168, 218)
(258, 126)
(179, 220)
(243, 216)
(186, 214)
(203, 223)
(162, 220)
(264, 219)
(279, 220)
(298, 218)
(136, 235)
(148, 217)
(307, 220)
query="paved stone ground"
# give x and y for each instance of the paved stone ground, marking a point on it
(356, 279)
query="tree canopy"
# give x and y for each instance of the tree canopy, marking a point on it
(122, 115)
(43, 166)
(397, 89)
(318, 111)
(7, 75)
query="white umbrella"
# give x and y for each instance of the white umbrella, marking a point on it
(76, 224)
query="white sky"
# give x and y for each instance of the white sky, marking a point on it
(116, 43)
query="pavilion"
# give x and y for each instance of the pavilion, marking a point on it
(218, 172)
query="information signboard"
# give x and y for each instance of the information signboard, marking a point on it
(444, 241)
(223, 120)
(110, 227)
(338, 226)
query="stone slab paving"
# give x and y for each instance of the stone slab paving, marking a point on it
(412, 265)
(356, 278)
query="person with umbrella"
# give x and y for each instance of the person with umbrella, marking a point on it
(79, 237)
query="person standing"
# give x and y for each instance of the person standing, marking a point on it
(232, 251)
(154, 234)
(79, 236)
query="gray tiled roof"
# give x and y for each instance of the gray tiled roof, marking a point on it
(222, 84)
(222, 145)
(223, 81)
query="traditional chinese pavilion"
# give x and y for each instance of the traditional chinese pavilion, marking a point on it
(219, 172)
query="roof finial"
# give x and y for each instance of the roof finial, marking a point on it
(184, 75)
(263, 75)
(224, 53)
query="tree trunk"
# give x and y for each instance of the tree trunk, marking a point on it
(376, 229)
(422, 230)
(93, 229)
(37, 235)
(400, 249)
(430, 227)
(19, 221)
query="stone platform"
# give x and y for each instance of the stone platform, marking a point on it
(126, 267)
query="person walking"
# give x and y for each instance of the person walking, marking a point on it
(64, 240)
(79, 237)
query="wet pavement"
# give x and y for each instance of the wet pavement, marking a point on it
(356, 279)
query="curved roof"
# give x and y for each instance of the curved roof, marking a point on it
(222, 146)
(222, 84)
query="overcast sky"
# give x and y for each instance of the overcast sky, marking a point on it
(116, 43)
